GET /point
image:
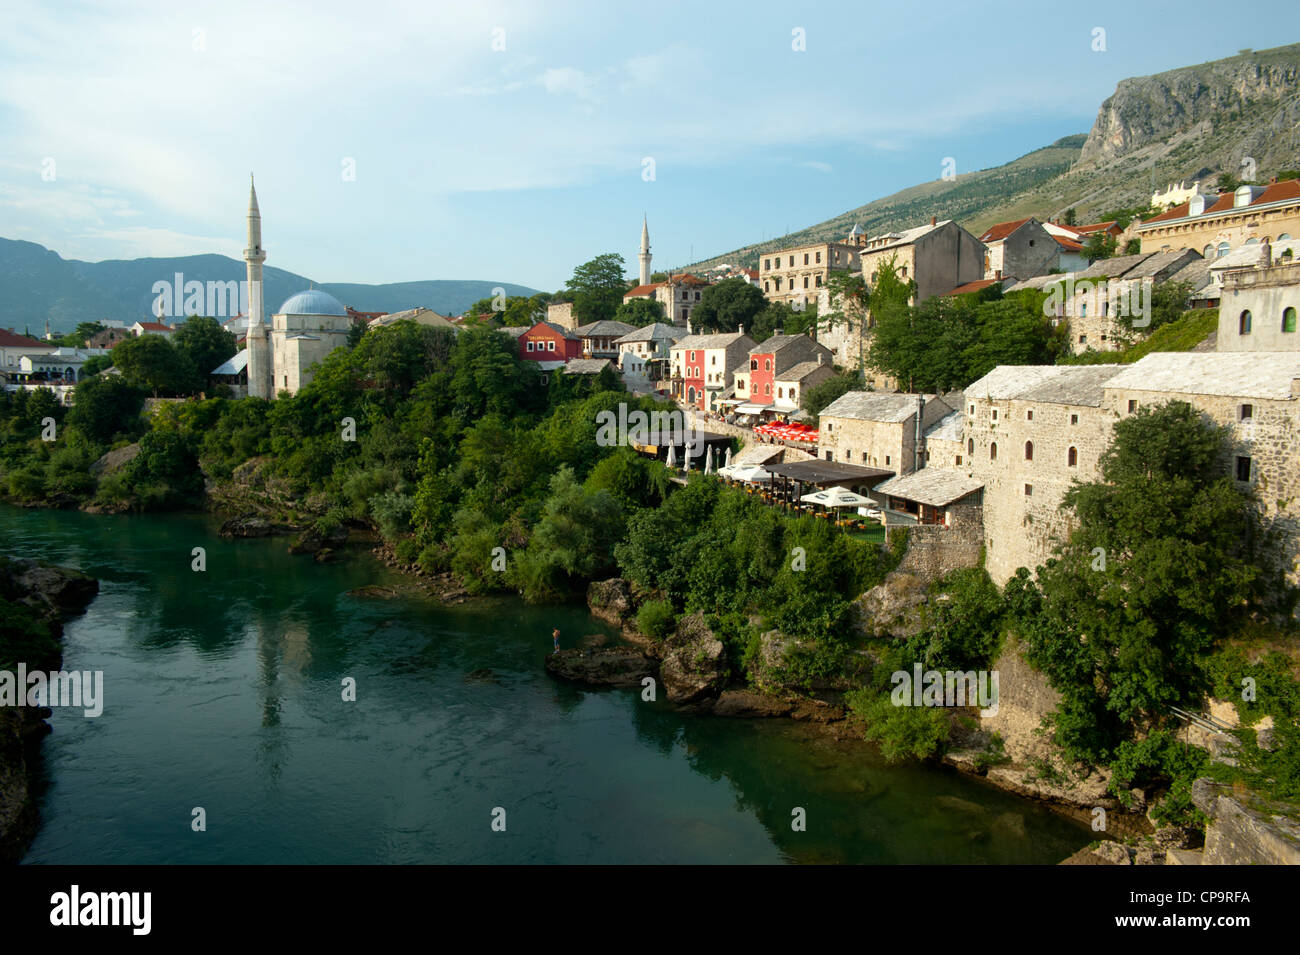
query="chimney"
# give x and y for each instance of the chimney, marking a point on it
(820, 356)
(933, 220)
(741, 329)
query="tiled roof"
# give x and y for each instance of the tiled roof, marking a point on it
(778, 342)
(155, 327)
(1114, 267)
(14, 340)
(1050, 384)
(1288, 189)
(973, 286)
(720, 340)
(873, 406)
(558, 329)
(947, 428)
(641, 291)
(586, 366)
(656, 331)
(996, 233)
(937, 487)
(604, 327)
(802, 370)
(1267, 375)
(897, 239)
(1094, 227)
(1159, 262)
(514, 331)
(1069, 245)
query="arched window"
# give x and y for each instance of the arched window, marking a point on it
(1285, 236)
(970, 445)
(1029, 450)
(993, 451)
(1243, 323)
(1288, 319)
(1072, 457)
(1223, 249)
(1208, 251)
(1252, 241)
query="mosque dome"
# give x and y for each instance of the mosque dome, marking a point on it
(312, 302)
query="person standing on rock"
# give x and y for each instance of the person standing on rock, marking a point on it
(555, 635)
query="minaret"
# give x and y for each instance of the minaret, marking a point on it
(259, 334)
(644, 256)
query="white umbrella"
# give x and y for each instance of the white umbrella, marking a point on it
(728, 461)
(686, 457)
(754, 474)
(837, 497)
(672, 457)
(708, 461)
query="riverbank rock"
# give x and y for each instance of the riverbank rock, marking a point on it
(114, 460)
(894, 607)
(750, 704)
(694, 665)
(319, 543)
(52, 591)
(611, 601)
(252, 525)
(608, 666)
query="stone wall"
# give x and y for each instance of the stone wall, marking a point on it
(1024, 698)
(1265, 293)
(934, 551)
(562, 314)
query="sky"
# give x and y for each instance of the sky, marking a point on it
(514, 141)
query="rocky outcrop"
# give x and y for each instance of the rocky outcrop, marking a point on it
(320, 543)
(694, 665)
(252, 525)
(114, 460)
(1243, 829)
(608, 666)
(894, 607)
(750, 704)
(611, 601)
(50, 594)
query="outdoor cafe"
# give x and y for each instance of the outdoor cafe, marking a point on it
(830, 490)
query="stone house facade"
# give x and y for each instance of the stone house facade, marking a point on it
(938, 257)
(1019, 249)
(679, 296)
(795, 275)
(879, 430)
(1259, 307)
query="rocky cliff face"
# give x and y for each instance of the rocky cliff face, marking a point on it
(1218, 112)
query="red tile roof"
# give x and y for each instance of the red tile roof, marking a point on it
(643, 290)
(1069, 245)
(1274, 192)
(156, 327)
(1097, 227)
(14, 340)
(997, 233)
(973, 286)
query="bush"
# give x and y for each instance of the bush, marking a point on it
(656, 618)
(901, 732)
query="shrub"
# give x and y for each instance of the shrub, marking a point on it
(656, 618)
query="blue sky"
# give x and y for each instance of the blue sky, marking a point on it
(516, 164)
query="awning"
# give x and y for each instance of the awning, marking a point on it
(750, 407)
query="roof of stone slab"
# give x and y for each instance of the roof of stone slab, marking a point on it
(873, 406)
(1267, 375)
(947, 428)
(936, 487)
(1051, 384)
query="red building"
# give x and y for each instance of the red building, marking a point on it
(547, 341)
(770, 359)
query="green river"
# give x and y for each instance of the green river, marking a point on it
(223, 690)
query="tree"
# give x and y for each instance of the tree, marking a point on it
(1133, 247)
(639, 312)
(1099, 245)
(1069, 216)
(77, 337)
(726, 306)
(205, 343)
(104, 407)
(1162, 563)
(165, 474)
(819, 396)
(597, 288)
(150, 362)
(850, 300)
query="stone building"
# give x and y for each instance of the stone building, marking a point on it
(1257, 311)
(1020, 249)
(598, 338)
(794, 275)
(768, 360)
(1216, 224)
(561, 314)
(644, 353)
(794, 382)
(1031, 430)
(679, 295)
(938, 257)
(879, 430)
(945, 440)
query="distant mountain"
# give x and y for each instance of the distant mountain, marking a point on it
(1191, 123)
(37, 284)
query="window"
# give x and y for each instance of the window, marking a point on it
(767, 263)
(767, 389)
(993, 451)
(1288, 319)
(780, 392)
(886, 460)
(753, 364)
(995, 414)
(829, 457)
(1083, 339)
(970, 445)
(1029, 490)
(530, 346)
(1243, 469)
(805, 281)
(766, 286)
(1247, 411)
(1083, 310)
(1072, 458)
(1029, 450)
(1029, 415)
(805, 258)
(971, 409)
(692, 356)
(958, 459)
(1132, 406)
(767, 364)
(792, 261)
(286, 381)
(1243, 323)
(1208, 251)
(1222, 249)
(550, 346)
(1074, 419)
(819, 258)
(829, 425)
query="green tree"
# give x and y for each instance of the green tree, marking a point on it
(165, 474)
(819, 396)
(640, 312)
(597, 288)
(150, 362)
(205, 343)
(1099, 245)
(1164, 560)
(106, 406)
(726, 306)
(1069, 216)
(77, 337)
